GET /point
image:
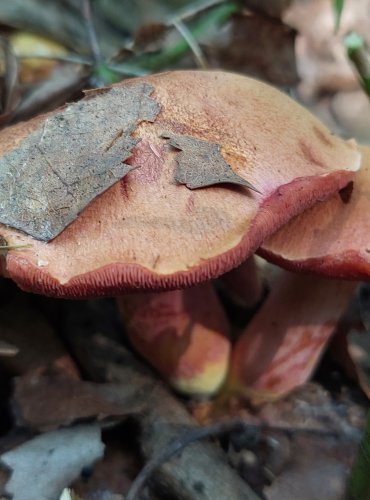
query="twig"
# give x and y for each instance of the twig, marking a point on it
(192, 10)
(94, 44)
(69, 58)
(191, 41)
(6, 248)
(219, 429)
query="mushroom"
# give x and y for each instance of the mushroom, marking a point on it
(148, 232)
(330, 240)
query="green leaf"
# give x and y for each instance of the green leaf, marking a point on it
(338, 6)
(360, 57)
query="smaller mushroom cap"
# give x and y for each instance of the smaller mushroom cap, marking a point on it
(333, 237)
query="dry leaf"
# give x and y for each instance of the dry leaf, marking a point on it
(27, 44)
(149, 37)
(45, 465)
(259, 46)
(200, 163)
(273, 8)
(73, 156)
(48, 402)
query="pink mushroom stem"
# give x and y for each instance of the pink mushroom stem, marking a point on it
(184, 334)
(282, 345)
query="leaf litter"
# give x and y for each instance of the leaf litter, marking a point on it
(71, 158)
(54, 459)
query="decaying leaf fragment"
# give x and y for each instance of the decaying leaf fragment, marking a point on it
(75, 155)
(200, 163)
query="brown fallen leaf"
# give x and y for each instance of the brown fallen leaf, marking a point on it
(274, 8)
(149, 37)
(38, 348)
(48, 402)
(200, 163)
(259, 46)
(26, 44)
(70, 158)
(322, 63)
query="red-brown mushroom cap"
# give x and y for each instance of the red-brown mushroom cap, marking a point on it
(147, 231)
(333, 237)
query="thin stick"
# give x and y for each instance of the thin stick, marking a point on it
(5, 248)
(192, 42)
(69, 58)
(196, 434)
(192, 10)
(93, 39)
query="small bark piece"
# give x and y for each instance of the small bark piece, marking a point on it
(282, 345)
(72, 157)
(200, 164)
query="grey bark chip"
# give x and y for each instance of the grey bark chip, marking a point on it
(200, 163)
(71, 158)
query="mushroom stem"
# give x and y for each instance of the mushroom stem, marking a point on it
(184, 334)
(244, 284)
(282, 345)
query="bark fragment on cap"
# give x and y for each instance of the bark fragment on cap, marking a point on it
(72, 156)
